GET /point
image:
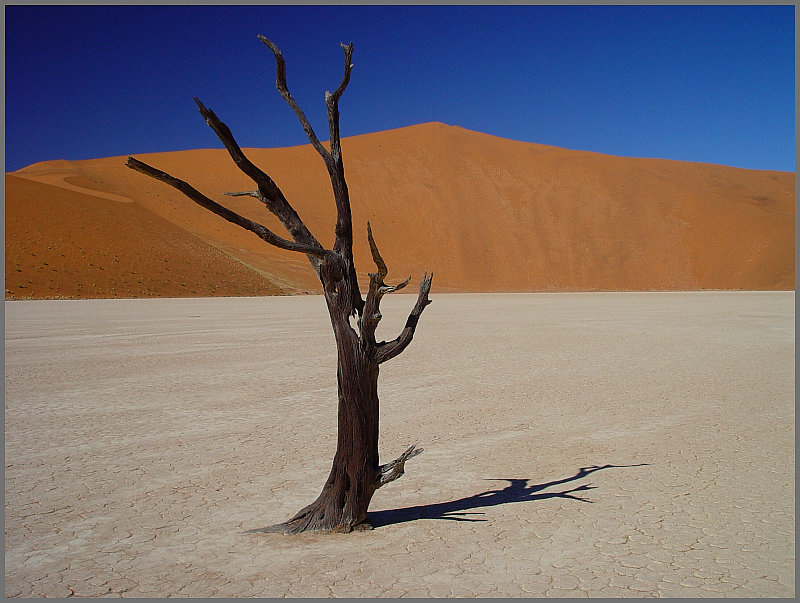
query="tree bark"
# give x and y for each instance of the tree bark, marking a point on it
(355, 473)
(342, 504)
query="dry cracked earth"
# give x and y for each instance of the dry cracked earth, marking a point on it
(576, 445)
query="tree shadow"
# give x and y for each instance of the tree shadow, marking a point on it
(517, 490)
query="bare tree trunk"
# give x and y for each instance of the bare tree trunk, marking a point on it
(342, 504)
(355, 474)
(347, 492)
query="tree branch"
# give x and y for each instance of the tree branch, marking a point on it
(381, 288)
(344, 219)
(376, 255)
(270, 194)
(231, 216)
(332, 101)
(377, 289)
(333, 161)
(265, 183)
(392, 288)
(391, 471)
(388, 350)
(256, 194)
(280, 84)
(348, 66)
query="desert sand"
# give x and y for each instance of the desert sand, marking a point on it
(596, 444)
(485, 214)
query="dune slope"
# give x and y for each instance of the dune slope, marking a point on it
(61, 243)
(484, 213)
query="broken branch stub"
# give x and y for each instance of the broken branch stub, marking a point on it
(391, 471)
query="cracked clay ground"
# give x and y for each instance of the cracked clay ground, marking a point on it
(636, 444)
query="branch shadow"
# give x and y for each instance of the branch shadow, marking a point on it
(517, 490)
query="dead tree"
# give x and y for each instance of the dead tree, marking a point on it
(355, 474)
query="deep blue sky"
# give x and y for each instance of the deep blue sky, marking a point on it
(697, 83)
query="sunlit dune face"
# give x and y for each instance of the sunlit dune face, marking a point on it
(483, 213)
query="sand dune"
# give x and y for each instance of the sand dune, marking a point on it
(484, 213)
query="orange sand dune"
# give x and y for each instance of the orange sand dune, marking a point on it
(484, 213)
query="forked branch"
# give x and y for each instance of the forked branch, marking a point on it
(333, 159)
(391, 471)
(269, 193)
(348, 67)
(266, 185)
(388, 350)
(332, 101)
(380, 288)
(377, 289)
(231, 216)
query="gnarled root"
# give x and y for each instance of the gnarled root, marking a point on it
(319, 516)
(337, 510)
